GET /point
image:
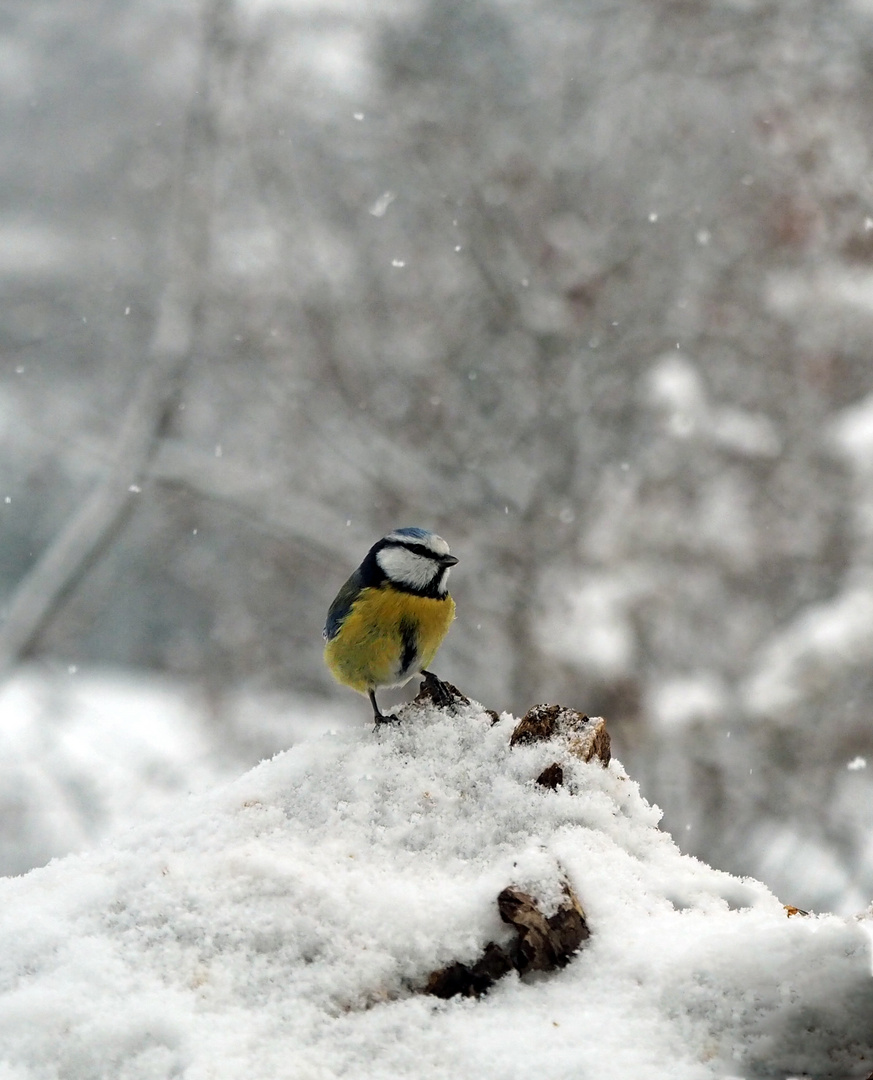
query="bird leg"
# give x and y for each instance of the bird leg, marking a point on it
(378, 716)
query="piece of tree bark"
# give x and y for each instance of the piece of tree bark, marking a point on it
(542, 943)
(586, 737)
(552, 776)
(545, 942)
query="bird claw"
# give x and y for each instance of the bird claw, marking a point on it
(385, 718)
(441, 694)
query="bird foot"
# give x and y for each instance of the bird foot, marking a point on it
(385, 718)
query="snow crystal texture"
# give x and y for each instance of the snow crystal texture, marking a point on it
(284, 925)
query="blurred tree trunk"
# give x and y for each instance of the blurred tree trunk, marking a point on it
(88, 532)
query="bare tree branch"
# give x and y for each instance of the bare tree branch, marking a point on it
(267, 505)
(86, 535)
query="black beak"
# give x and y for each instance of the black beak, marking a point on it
(447, 560)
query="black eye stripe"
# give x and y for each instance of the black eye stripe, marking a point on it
(418, 549)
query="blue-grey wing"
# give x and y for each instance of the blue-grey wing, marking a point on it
(342, 605)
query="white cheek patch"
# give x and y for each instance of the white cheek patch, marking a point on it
(407, 568)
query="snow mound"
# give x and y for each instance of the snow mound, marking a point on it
(285, 925)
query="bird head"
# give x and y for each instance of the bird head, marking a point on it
(415, 560)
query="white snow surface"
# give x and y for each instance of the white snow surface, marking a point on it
(85, 754)
(81, 753)
(282, 926)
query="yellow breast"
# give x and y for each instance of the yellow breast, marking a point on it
(376, 638)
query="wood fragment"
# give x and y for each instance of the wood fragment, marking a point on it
(538, 724)
(586, 737)
(543, 943)
(551, 777)
(440, 693)
(472, 980)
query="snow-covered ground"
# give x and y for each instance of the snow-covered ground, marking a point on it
(284, 924)
(86, 754)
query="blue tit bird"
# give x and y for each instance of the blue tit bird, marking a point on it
(390, 617)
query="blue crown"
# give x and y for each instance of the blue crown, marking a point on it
(412, 532)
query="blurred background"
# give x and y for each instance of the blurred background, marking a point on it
(586, 286)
